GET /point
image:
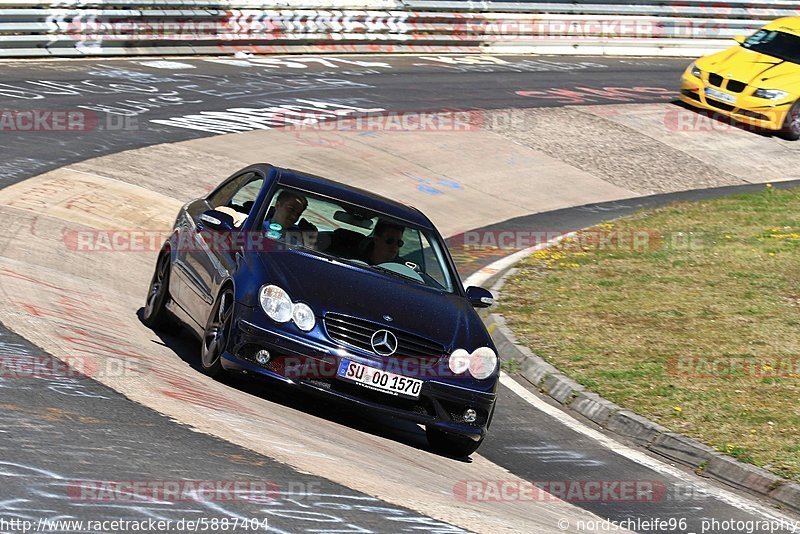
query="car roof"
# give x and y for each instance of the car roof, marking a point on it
(785, 24)
(352, 195)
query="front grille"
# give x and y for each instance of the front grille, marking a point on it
(719, 105)
(715, 79)
(735, 86)
(358, 333)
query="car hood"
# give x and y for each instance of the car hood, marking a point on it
(753, 68)
(332, 286)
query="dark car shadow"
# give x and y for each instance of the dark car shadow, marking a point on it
(726, 121)
(187, 348)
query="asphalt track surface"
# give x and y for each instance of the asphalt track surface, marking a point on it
(60, 430)
(120, 99)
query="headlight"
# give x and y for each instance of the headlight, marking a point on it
(276, 303)
(696, 71)
(482, 363)
(459, 361)
(303, 316)
(770, 94)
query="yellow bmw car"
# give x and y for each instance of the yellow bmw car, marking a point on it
(756, 82)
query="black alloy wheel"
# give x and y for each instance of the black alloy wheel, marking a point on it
(215, 337)
(156, 315)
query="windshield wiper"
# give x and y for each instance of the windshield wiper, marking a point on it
(390, 271)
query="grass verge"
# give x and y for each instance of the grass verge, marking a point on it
(688, 315)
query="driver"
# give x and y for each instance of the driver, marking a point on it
(288, 208)
(387, 239)
(284, 221)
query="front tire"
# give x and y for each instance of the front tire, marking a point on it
(155, 314)
(217, 331)
(791, 128)
(451, 444)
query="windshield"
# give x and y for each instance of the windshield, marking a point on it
(358, 236)
(778, 44)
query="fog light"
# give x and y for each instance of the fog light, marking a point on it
(470, 415)
(263, 357)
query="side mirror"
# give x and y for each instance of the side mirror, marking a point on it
(740, 38)
(215, 220)
(479, 297)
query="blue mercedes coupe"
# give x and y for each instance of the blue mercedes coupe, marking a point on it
(333, 289)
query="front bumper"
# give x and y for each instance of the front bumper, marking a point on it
(745, 109)
(311, 363)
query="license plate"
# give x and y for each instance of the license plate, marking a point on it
(719, 95)
(379, 380)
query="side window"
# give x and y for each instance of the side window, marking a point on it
(244, 198)
(760, 37)
(412, 248)
(418, 250)
(432, 265)
(222, 196)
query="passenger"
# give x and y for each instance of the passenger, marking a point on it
(387, 239)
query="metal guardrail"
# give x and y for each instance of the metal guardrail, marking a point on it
(135, 27)
(525, 5)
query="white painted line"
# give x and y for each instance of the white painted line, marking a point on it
(170, 65)
(638, 456)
